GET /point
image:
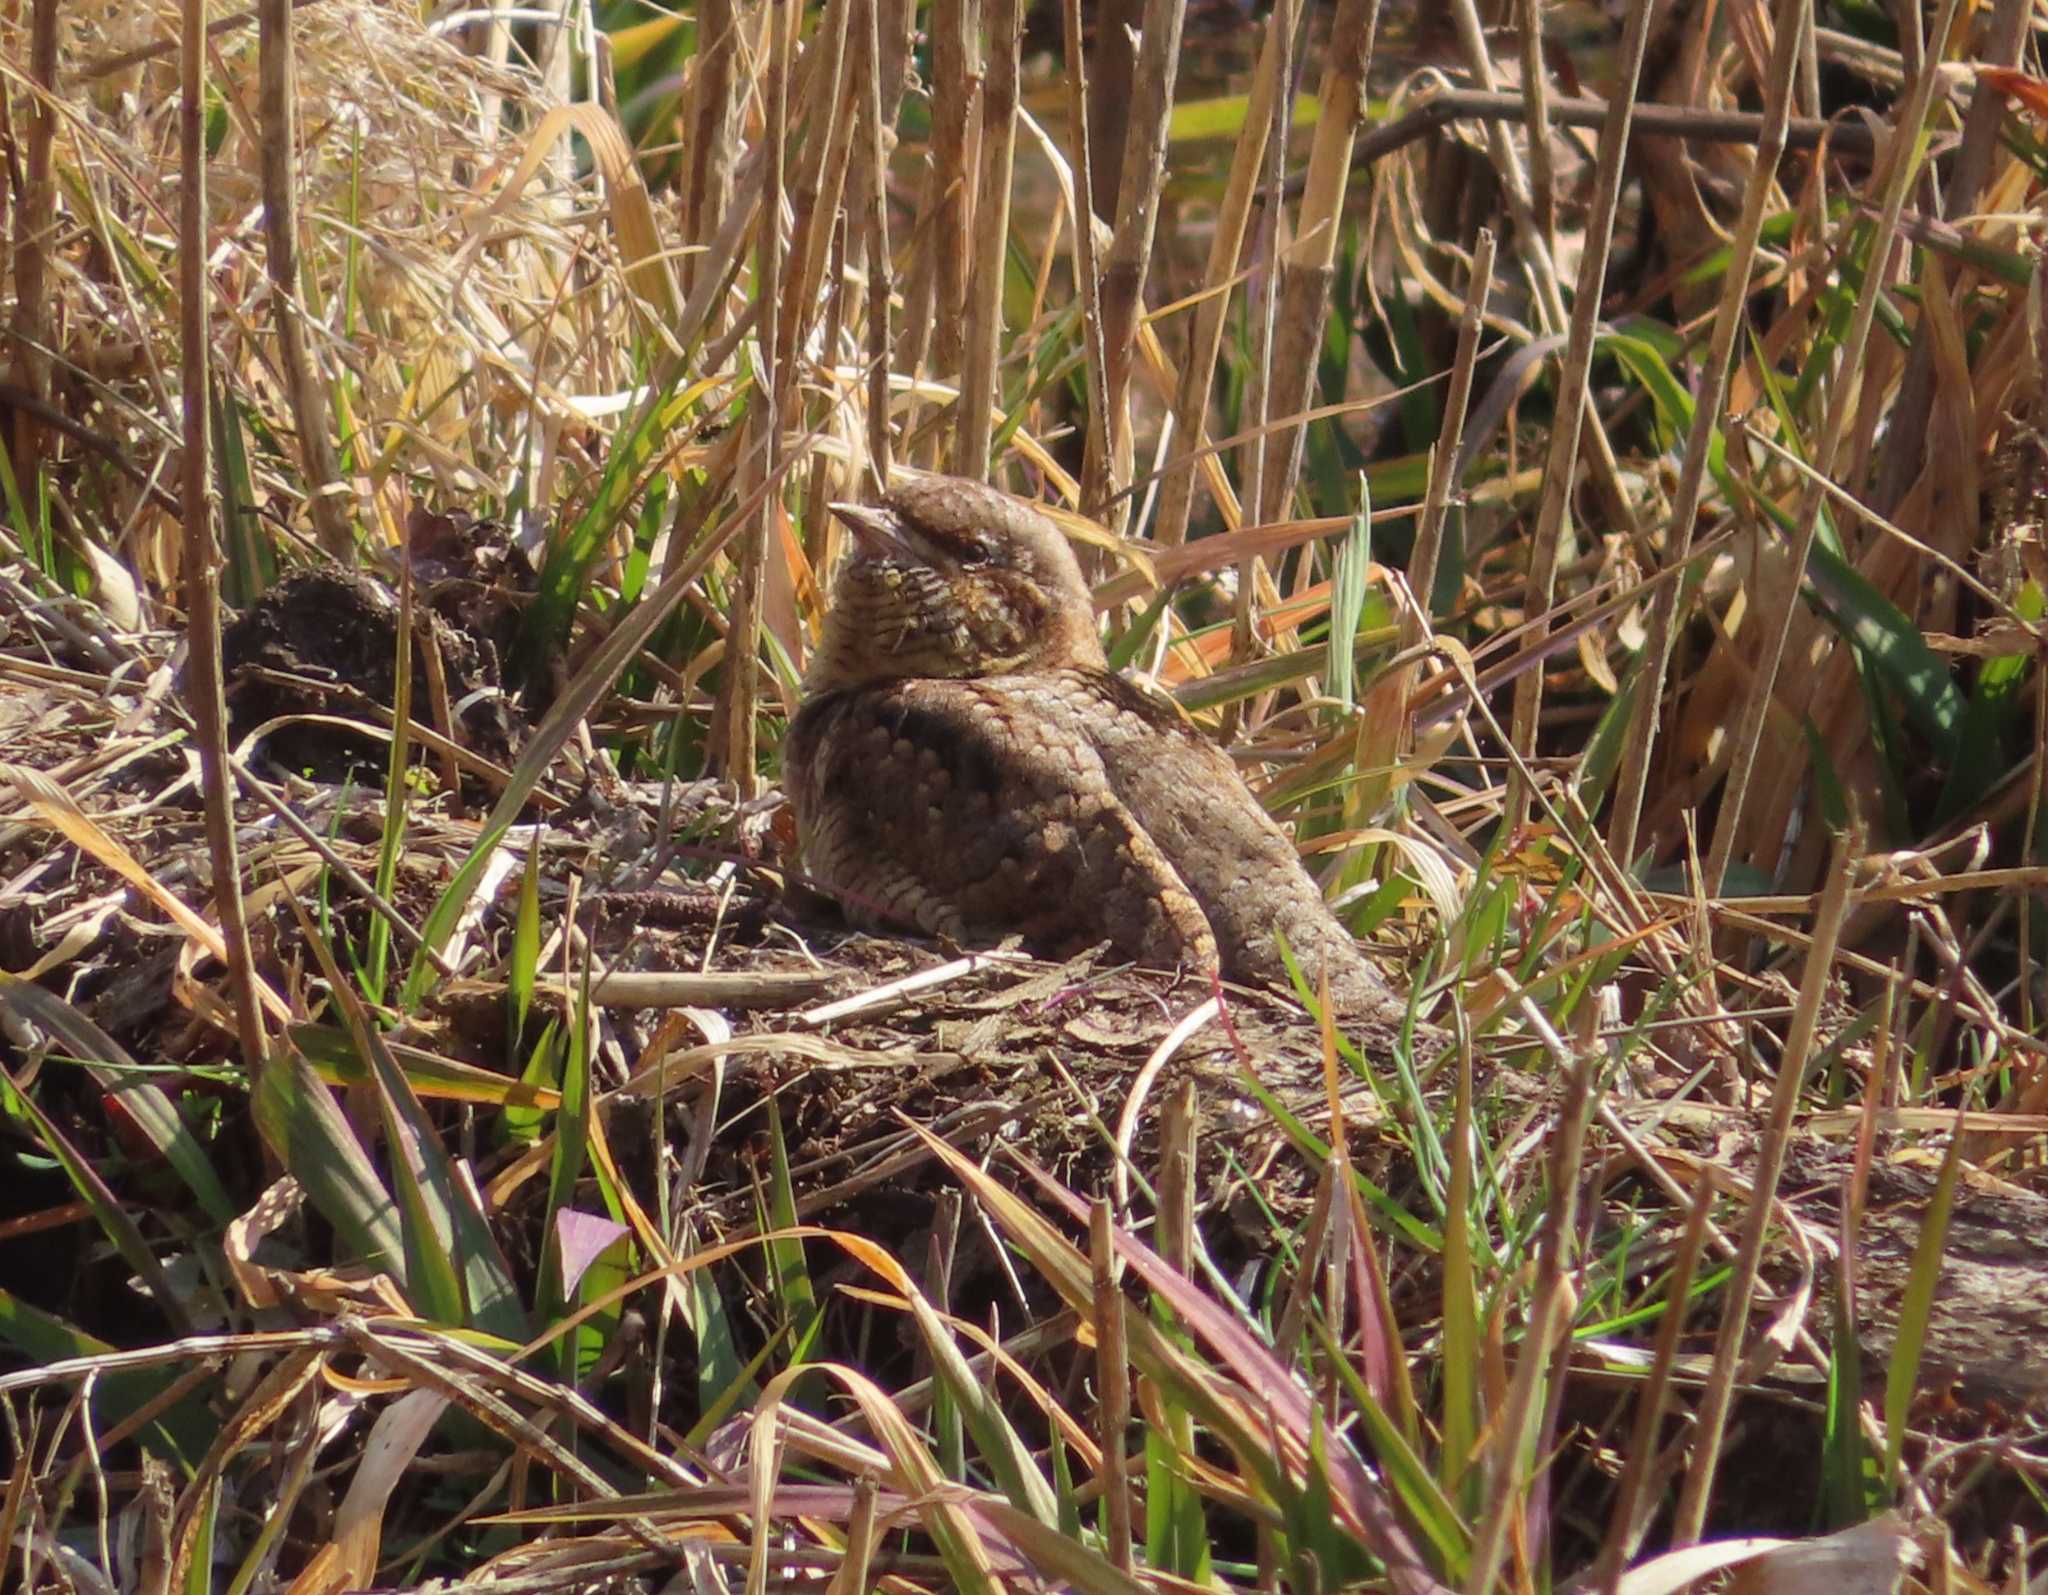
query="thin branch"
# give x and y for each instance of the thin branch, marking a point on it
(1651, 121)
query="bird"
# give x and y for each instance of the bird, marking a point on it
(965, 764)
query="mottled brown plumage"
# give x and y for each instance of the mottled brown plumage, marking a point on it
(965, 764)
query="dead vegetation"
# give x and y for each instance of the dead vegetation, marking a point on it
(445, 1139)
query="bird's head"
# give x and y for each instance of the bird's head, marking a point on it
(951, 578)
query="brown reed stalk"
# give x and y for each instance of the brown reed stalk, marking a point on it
(1308, 267)
(1130, 250)
(820, 184)
(734, 728)
(1113, 1386)
(35, 217)
(1536, 113)
(1983, 138)
(708, 172)
(1572, 397)
(983, 311)
(1226, 245)
(279, 110)
(878, 269)
(1534, 250)
(1087, 270)
(1901, 167)
(934, 297)
(204, 692)
(1729, 321)
(1550, 1298)
(1386, 727)
(1711, 1421)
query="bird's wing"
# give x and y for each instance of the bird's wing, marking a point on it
(1241, 867)
(976, 809)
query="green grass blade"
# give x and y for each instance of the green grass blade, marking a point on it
(106, 1207)
(1917, 1307)
(118, 1075)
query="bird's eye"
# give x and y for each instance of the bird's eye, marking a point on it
(973, 552)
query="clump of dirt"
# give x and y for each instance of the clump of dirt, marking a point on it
(324, 643)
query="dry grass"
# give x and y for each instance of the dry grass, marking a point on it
(1621, 562)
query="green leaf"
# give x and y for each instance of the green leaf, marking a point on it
(524, 967)
(1989, 719)
(335, 1060)
(1882, 634)
(1641, 358)
(1003, 1451)
(571, 1154)
(1916, 1309)
(123, 1079)
(454, 1268)
(786, 1262)
(306, 1131)
(563, 577)
(570, 706)
(1425, 1506)
(106, 1207)
(1125, 650)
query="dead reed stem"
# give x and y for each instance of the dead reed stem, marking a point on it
(1983, 133)
(1087, 269)
(1536, 112)
(1723, 1379)
(1308, 266)
(1112, 1370)
(708, 173)
(204, 692)
(308, 394)
(1226, 247)
(1729, 321)
(1842, 398)
(879, 268)
(1572, 398)
(1130, 254)
(975, 426)
(936, 302)
(35, 217)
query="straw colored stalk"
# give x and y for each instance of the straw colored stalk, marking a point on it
(983, 320)
(1710, 1424)
(939, 279)
(821, 240)
(280, 112)
(820, 185)
(1254, 588)
(1900, 166)
(1130, 254)
(1087, 270)
(1536, 113)
(1571, 387)
(1728, 323)
(878, 58)
(739, 686)
(202, 571)
(1531, 244)
(1309, 265)
(35, 215)
(1385, 725)
(935, 295)
(1205, 341)
(1983, 135)
(708, 169)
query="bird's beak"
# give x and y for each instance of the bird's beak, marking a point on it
(878, 531)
